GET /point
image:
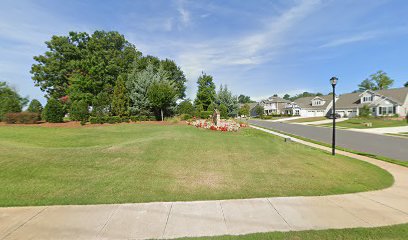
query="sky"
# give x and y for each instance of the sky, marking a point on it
(257, 48)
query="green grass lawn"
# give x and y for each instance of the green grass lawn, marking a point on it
(146, 162)
(309, 119)
(376, 123)
(396, 232)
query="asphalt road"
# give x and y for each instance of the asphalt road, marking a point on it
(387, 146)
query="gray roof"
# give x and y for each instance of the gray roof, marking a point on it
(306, 102)
(352, 100)
(396, 94)
(276, 100)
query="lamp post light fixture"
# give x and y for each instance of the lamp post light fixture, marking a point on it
(333, 82)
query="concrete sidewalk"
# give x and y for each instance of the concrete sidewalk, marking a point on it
(322, 121)
(383, 130)
(210, 218)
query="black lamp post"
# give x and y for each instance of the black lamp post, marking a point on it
(333, 82)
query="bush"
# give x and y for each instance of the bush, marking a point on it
(134, 118)
(223, 111)
(53, 111)
(79, 111)
(185, 117)
(185, 107)
(23, 117)
(152, 118)
(365, 111)
(35, 107)
(205, 114)
(114, 119)
(9, 105)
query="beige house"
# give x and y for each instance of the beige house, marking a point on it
(274, 105)
(386, 102)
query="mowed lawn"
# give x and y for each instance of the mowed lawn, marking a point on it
(376, 123)
(130, 163)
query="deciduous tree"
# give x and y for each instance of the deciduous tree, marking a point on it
(377, 81)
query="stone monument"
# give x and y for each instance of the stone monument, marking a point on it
(216, 117)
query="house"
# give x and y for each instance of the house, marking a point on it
(274, 105)
(387, 102)
(252, 106)
(317, 106)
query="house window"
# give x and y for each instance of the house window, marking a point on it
(368, 99)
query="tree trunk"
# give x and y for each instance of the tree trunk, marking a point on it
(161, 110)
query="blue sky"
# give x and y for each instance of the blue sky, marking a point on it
(257, 48)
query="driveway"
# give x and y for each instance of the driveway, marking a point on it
(387, 146)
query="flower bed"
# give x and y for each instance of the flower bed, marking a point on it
(223, 125)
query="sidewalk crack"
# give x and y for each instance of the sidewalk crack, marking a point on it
(167, 220)
(24, 223)
(279, 214)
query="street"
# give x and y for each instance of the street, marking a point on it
(387, 146)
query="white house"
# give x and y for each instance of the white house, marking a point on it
(386, 102)
(274, 105)
(317, 106)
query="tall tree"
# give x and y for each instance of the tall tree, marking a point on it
(406, 84)
(10, 100)
(377, 81)
(286, 97)
(162, 95)
(120, 99)
(138, 84)
(225, 97)
(83, 65)
(206, 91)
(244, 99)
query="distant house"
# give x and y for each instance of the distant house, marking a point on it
(386, 102)
(317, 106)
(252, 106)
(274, 105)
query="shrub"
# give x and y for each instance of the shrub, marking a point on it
(152, 118)
(35, 106)
(185, 117)
(223, 111)
(114, 119)
(365, 111)
(143, 118)
(79, 111)
(205, 114)
(53, 111)
(23, 117)
(125, 119)
(134, 118)
(9, 105)
(95, 120)
(185, 107)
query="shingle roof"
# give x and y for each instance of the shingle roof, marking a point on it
(276, 99)
(352, 100)
(306, 102)
(397, 94)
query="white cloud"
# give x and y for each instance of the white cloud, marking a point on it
(185, 16)
(364, 36)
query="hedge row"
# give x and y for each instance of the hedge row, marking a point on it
(117, 119)
(21, 117)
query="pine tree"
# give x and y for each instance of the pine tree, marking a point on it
(206, 91)
(120, 102)
(138, 84)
